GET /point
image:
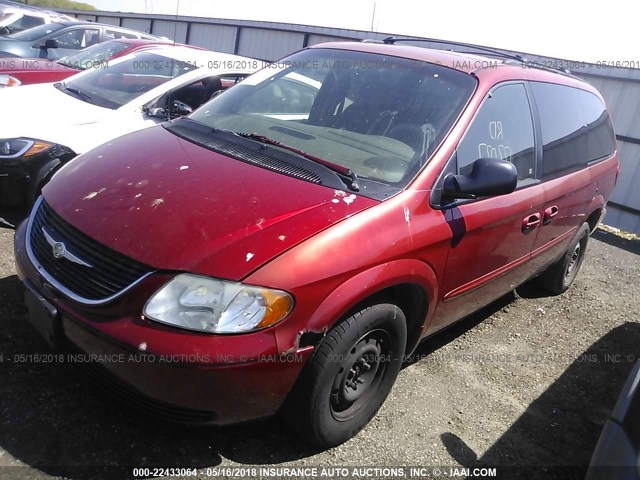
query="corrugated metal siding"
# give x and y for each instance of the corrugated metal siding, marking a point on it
(625, 112)
(140, 24)
(108, 20)
(626, 191)
(315, 39)
(620, 87)
(219, 37)
(268, 44)
(91, 18)
(176, 31)
(622, 219)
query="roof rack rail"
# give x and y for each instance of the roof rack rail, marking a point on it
(480, 49)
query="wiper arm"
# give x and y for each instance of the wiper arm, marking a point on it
(352, 184)
(84, 96)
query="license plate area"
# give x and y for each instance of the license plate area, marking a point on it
(43, 316)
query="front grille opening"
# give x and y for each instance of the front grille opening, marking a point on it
(109, 273)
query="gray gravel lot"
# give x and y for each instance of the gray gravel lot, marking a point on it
(527, 381)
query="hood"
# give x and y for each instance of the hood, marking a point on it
(43, 112)
(174, 205)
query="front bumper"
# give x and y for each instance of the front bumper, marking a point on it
(21, 180)
(182, 376)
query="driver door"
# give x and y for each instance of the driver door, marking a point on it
(491, 240)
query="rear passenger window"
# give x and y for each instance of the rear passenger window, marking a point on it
(576, 128)
(502, 129)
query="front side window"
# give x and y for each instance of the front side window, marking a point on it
(382, 117)
(78, 38)
(502, 129)
(126, 80)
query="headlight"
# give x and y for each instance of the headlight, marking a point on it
(21, 147)
(217, 306)
(9, 81)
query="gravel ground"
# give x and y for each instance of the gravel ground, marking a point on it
(528, 381)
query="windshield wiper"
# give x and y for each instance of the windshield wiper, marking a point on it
(83, 96)
(351, 180)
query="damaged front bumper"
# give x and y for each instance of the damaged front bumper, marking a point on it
(180, 375)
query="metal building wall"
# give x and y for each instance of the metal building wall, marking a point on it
(620, 87)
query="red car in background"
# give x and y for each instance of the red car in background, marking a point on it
(24, 71)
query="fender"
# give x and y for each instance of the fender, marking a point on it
(44, 172)
(597, 203)
(356, 290)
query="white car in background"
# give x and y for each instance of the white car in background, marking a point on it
(14, 18)
(43, 126)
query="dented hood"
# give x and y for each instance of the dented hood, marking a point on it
(174, 205)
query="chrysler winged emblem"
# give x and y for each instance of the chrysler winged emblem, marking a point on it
(60, 250)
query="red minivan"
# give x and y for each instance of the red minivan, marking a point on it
(285, 246)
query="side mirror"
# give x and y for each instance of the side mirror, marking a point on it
(488, 177)
(50, 43)
(156, 112)
(178, 109)
(175, 109)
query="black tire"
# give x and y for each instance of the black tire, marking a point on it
(349, 377)
(558, 277)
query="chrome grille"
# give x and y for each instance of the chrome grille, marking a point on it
(83, 269)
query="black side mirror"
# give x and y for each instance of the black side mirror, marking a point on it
(50, 43)
(178, 109)
(488, 177)
(174, 110)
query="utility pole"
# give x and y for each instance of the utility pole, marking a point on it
(373, 15)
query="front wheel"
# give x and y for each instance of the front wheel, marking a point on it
(559, 276)
(349, 376)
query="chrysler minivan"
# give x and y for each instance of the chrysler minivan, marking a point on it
(282, 249)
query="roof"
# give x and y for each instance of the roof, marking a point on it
(470, 63)
(464, 62)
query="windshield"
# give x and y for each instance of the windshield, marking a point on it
(123, 82)
(20, 22)
(379, 116)
(94, 56)
(36, 32)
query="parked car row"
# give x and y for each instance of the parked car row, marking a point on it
(136, 91)
(56, 40)
(26, 71)
(279, 247)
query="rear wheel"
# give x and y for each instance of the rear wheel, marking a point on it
(349, 376)
(559, 276)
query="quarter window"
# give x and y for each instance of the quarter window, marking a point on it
(575, 126)
(502, 129)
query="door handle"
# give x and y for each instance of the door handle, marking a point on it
(530, 222)
(549, 213)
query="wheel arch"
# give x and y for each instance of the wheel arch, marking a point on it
(595, 212)
(409, 284)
